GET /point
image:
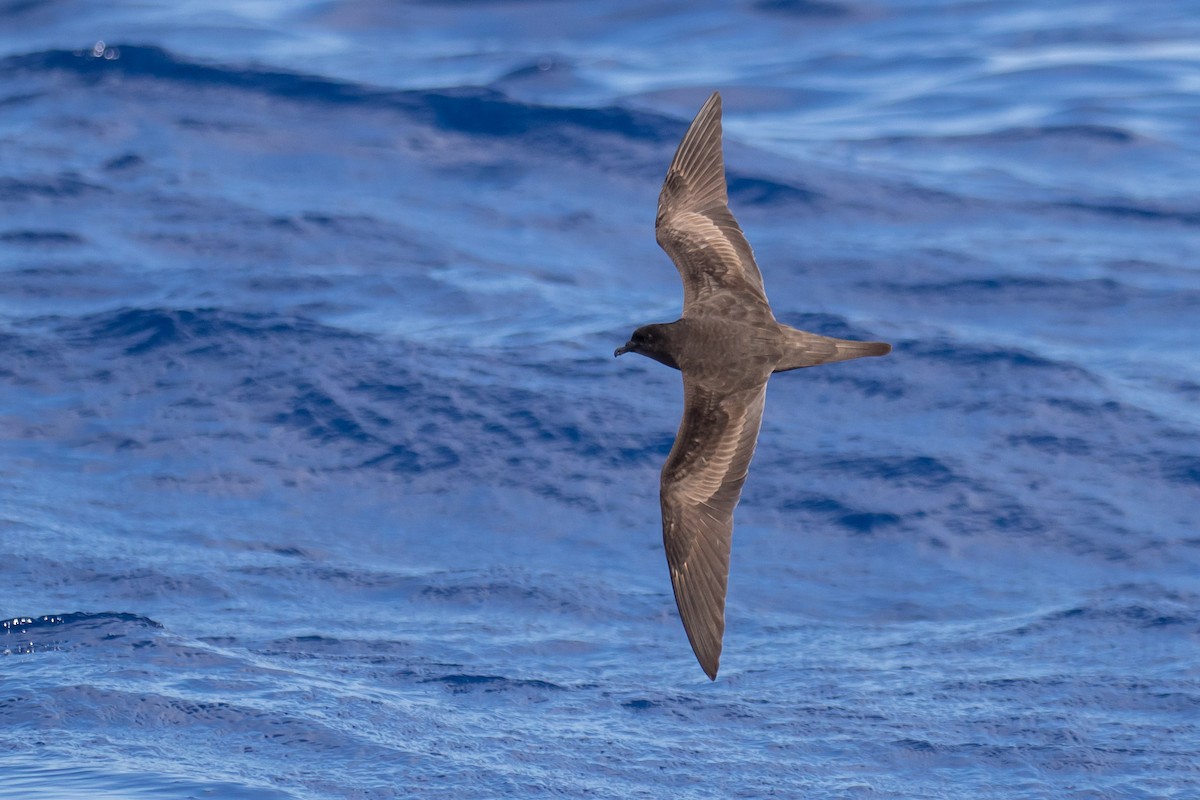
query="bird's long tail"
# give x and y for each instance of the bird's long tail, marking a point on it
(809, 349)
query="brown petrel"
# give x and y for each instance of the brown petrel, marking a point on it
(726, 344)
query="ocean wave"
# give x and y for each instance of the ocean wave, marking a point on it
(460, 683)
(1057, 135)
(39, 776)
(350, 401)
(474, 110)
(1126, 209)
(63, 185)
(574, 132)
(984, 356)
(201, 332)
(29, 635)
(1024, 290)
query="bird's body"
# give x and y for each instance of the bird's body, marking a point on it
(727, 344)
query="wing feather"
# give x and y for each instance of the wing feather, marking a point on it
(695, 226)
(701, 483)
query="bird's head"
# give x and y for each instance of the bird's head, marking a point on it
(652, 341)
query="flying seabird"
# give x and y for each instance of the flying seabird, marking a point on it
(726, 344)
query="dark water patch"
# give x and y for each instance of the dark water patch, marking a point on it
(807, 9)
(917, 471)
(899, 200)
(143, 583)
(21, 99)
(548, 78)
(867, 522)
(60, 278)
(1113, 614)
(122, 163)
(480, 2)
(42, 238)
(405, 459)
(640, 704)
(546, 67)
(1137, 615)
(1050, 134)
(1101, 417)
(1002, 515)
(918, 745)
(672, 705)
(282, 550)
(762, 191)
(213, 126)
(23, 357)
(820, 504)
(1131, 211)
(503, 175)
(489, 113)
(461, 683)
(1052, 444)
(1054, 753)
(1070, 133)
(1185, 388)
(323, 418)
(340, 650)
(340, 579)
(353, 225)
(889, 387)
(991, 357)
(1056, 692)
(1099, 293)
(855, 519)
(675, 708)
(1181, 468)
(288, 284)
(498, 594)
(66, 185)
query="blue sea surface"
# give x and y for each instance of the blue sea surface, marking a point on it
(318, 479)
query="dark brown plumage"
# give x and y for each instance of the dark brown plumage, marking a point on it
(726, 344)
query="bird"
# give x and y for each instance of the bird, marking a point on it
(727, 344)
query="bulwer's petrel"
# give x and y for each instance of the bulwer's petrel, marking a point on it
(726, 344)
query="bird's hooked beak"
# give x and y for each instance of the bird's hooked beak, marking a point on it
(620, 351)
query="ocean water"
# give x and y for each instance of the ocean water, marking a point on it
(318, 478)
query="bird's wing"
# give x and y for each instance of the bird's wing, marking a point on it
(695, 225)
(701, 482)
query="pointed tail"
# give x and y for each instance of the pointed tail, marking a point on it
(809, 349)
